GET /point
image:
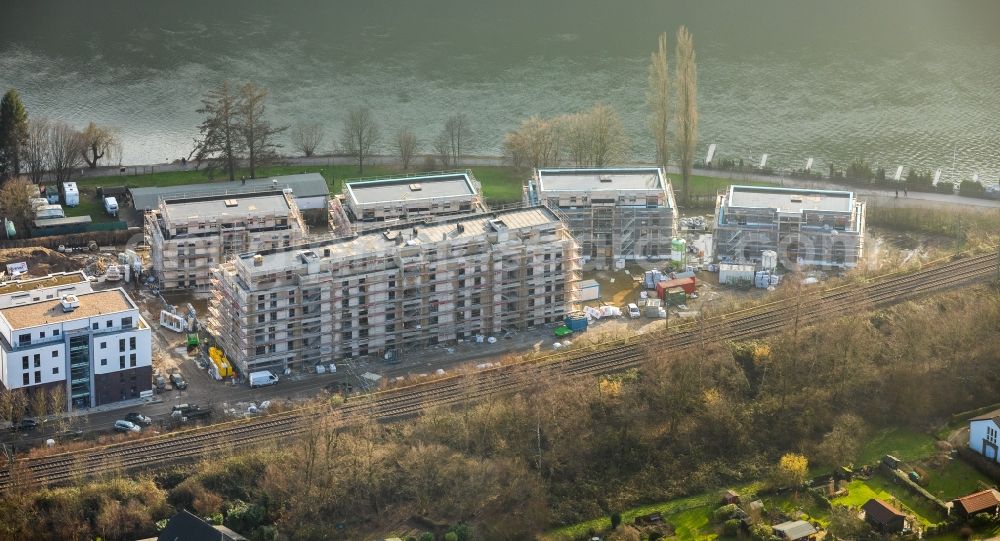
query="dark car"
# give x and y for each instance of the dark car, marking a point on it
(138, 419)
(159, 383)
(178, 381)
(25, 424)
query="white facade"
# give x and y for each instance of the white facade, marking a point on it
(97, 348)
(983, 435)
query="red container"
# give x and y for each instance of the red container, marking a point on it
(687, 284)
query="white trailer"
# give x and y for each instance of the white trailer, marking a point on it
(262, 378)
(111, 206)
(732, 274)
(71, 194)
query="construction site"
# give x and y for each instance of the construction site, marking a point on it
(616, 214)
(380, 293)
(802, 227)
(188, 237)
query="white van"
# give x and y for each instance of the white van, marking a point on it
(633, 310)
(111, 206)
(262, 379)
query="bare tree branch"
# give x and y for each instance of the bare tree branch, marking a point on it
(360, 135)
(307, 137)
(406, 146)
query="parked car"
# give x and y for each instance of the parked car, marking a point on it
(633, 310)
(160, 383)
(25, 424)
(138, 418)
(125, 426)
(178, 381)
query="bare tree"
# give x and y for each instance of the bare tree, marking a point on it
(307, 137)
(220, 133)
(442, 149)
(536, 143)
(456, 132)
(360, 134)
(595, 137)
(99, 142)
(15, 200)
(38, 403)
(255, 130)
(658, 98)
(65, 150)
(406, 146)
(35, 157)
(686, 122)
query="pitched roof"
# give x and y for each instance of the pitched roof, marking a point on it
(880, 511)
(991, 416)
(978, 501)
(795, 529)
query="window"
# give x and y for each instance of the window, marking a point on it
(291, 312)
(24, 362)
(104, 345)
(25, 380)
(131, 360)
(55, 332)
(95, 325)
(121, 344)
(41, 334)
(104, 362)
(107, 324)
(55, 370)
(24, 339)
(126, 322)
(131, 343)
(38, 360)
(38, 376)
(260, 318)
(55, 353)
(121, 362)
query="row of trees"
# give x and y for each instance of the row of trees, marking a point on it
(361, 136)
(596, 138)
(34, 146)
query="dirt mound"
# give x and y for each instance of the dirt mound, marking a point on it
(41, 261)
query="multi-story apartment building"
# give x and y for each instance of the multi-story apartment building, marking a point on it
(188, 237)
(56, 333)
(380, 203)
(614, 213)
(804, 227)
(379, 293)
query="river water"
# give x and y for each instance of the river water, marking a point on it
(898, 82)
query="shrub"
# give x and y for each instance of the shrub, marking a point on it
(616, 520)
(731, 527)
(244, 517)
(971, 188)
(451, 536)
(724, 513)
(760, 532)
(945, 187)
(427, 536)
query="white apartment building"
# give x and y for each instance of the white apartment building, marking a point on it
(188, 237)
(58, 333)
(382, 293)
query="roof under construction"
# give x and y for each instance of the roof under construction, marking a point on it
(436, 186)
(585, 180)
(790, 199)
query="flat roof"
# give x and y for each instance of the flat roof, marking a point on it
(790, 199)
(303, 186)
(222, 207)
(363, 192)
(50, 311)
(607, 178)
(378, 242)
(30, 284)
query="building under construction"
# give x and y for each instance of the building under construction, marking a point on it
(188, 237)
(615, 213)
(804, 227)
(380, 293)
(368, 204)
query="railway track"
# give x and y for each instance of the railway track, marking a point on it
(807, 309)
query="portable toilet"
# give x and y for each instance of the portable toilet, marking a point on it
(678, 250)
(71, 194)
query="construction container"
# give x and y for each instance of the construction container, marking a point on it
(576, 321)
(732, 274)
(769, 260)
(563, 331)
(675, 296)
(590, 290)
(689, 285)
(653, 307)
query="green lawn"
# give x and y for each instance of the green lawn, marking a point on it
(956, 478)
(899, 442)
(795, 503)
(89, 206)
(694, 524)
(860, 491)
(701, 185)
